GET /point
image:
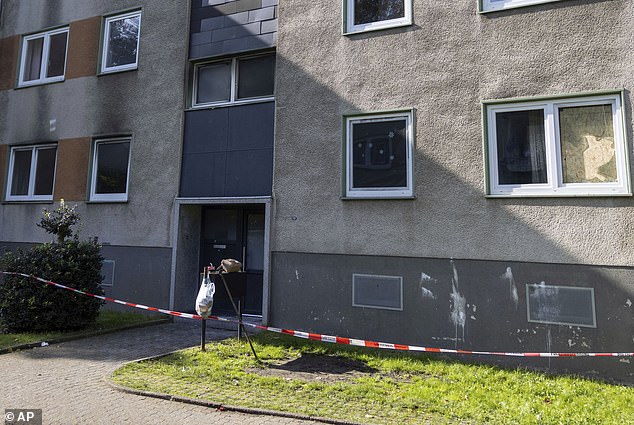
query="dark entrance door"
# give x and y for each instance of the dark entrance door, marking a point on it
(236, 232)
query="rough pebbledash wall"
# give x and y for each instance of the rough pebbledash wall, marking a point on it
(83, 47)
(443, 66)
(71, 177)
(9, 48)
(465, 260)
(146, 104)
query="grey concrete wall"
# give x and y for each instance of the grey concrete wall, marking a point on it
(442, 66)
(141, 274)
(228, 151)
(146, 103)
(459, 304)
(188, 258)
(231, 26)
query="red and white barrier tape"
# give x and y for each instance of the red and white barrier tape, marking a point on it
(327, 338)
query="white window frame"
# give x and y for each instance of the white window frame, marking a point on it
(554, 166)
(233, 100)
(44, 63)
(33, 172)
(378, 192)
(493, 5)
(106, 39)
(351, 28)
(109, 197)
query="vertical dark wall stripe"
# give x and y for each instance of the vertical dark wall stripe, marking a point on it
(9, 48)
(83, 48)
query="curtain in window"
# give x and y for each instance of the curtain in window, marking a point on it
(33, 62)
(536, 142)
(521, 147)
(21, 173)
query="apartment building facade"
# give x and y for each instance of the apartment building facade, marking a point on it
(453, 175)
(156, 119)
(457, 175)
(224, 205)
(91, 101)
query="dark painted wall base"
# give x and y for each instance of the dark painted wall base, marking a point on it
(466, 304)
(141, 274)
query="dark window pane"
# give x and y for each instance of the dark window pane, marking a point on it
(587, 144)
(112, 167)
(521, 147)
(214, 83)
(21, 172)
(57, 55)
(379, 154)
(255, 242)
(33, 61)
(256, 77)
(122, 41)
(45, 171)
(221, 225)
(367, 11)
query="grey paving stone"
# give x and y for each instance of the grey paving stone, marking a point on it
(66, 381)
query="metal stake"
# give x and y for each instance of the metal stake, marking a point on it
(240, 325)
(203, 330)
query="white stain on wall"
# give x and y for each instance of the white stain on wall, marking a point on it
(628, 303)
(425, 279)
(426, 293)
(508, 276)
(457, 304)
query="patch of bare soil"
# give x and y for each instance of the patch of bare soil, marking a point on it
(310, 367)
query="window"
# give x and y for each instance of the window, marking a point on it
(379, 155)
(493, 5)
(111, 164)
(368, 15)
(31, 173)
(561, 305)
(558, 147)
(375, 291)
(121, 42)
(237, 80)
(43, 57)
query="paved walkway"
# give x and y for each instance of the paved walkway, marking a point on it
(66, 381)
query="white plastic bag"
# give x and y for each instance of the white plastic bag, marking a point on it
(205, 298)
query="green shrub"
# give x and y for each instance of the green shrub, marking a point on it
(27, 305)
(60, 221)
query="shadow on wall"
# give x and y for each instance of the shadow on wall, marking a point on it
(465, 260)
(231, 27)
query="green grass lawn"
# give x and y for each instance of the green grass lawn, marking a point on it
(395, 388)
(106, 321)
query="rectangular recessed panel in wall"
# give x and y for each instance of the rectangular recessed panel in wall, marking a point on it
(107, 271)
(385, 292)
(561, 305)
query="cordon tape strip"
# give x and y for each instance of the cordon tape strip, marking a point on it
(326, 338)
